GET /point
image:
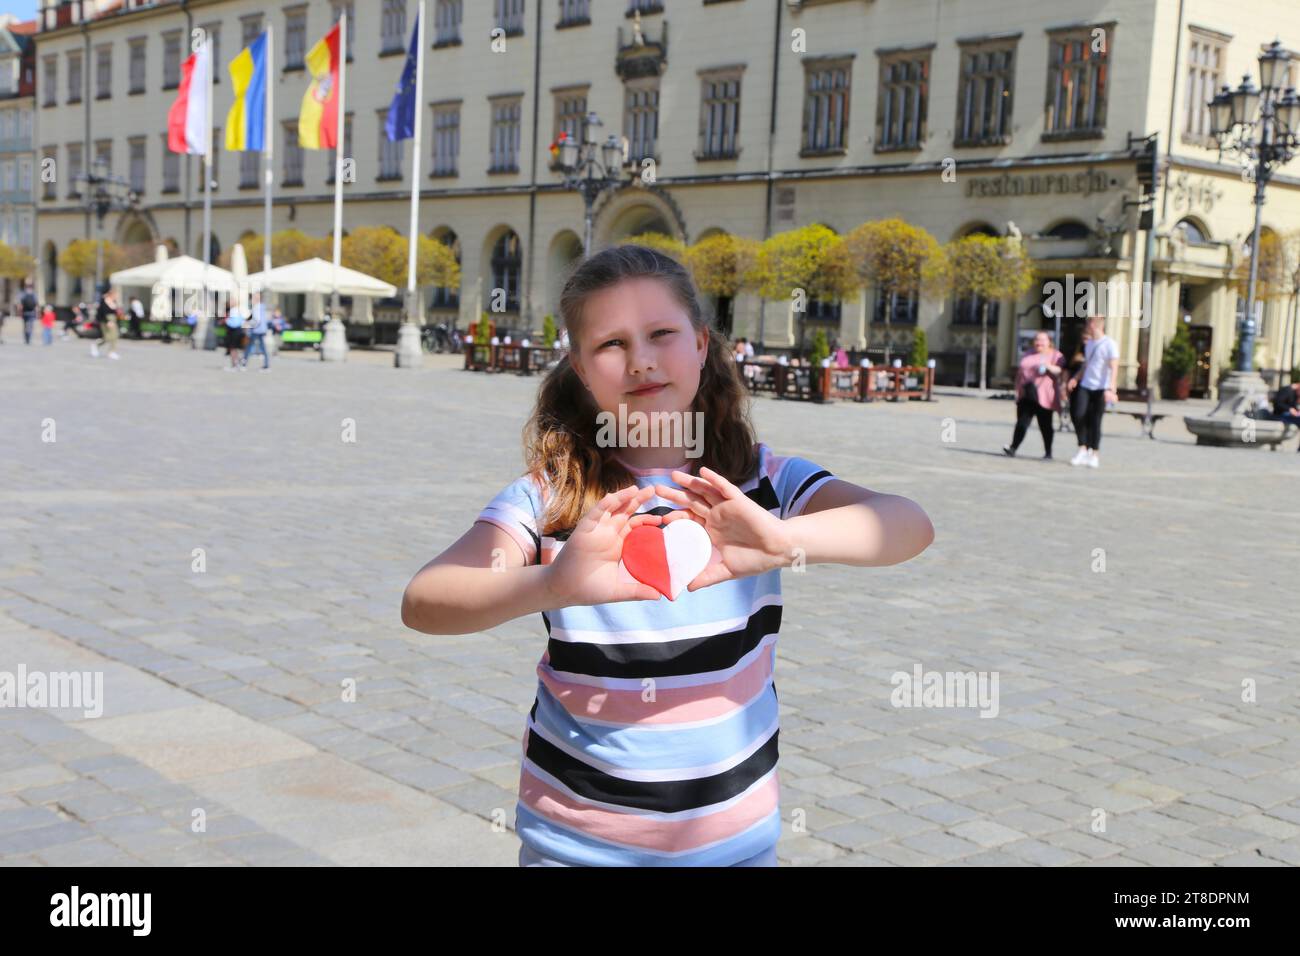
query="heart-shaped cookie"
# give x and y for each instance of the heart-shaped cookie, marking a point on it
(667, 558)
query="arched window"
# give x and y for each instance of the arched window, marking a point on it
(51, 271)
(447, 297)
(1070, 229)
(506, 264)
(1195, 236)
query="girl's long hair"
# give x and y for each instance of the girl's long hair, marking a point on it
(560, 436)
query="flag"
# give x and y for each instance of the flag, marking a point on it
(187, 119)
(555, 146)
(246, 121)
(318, 122)
(401, 111)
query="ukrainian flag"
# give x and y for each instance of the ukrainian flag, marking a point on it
(246, 121)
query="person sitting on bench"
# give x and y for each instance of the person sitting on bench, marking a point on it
(1286, 405)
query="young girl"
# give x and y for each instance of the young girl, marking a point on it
(653, 737)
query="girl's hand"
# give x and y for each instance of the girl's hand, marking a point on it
(586, 570)
(747, 539)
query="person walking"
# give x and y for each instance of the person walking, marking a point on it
(1036, 392)
(76, 315)
(27, 302)
(257, 326)
(1092, 388)
(106, 318)
(235, 338)
(47, 325)
(136, 318)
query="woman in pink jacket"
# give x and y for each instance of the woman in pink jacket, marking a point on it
(1036, 392)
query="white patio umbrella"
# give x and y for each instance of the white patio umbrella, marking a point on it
(182, 272)
(317, 275)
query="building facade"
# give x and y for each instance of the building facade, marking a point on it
(17, 159)
(1020, 118)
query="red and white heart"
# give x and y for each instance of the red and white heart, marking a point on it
(667, 558)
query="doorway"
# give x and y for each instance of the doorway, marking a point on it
(1202, 338)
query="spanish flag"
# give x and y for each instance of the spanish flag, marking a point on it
(318, 122)
(246, 121)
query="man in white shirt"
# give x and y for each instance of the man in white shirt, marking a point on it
(1092, 388)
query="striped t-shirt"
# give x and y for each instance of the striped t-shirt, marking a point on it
(653, 738)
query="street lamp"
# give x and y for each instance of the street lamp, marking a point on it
(102, 193)
(586, 173)
(1261, 126)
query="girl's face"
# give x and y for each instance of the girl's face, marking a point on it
(1042, 344)
(636, 347)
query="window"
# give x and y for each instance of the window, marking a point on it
(347, 150)
(645, 6)
(1076, 84)
(448, 297)
(641, 118)
(825, 106)
(506, 264)
(51, 82)
(901, 106)
(291, 174)
(390, 152)
(249, 164)
(970, 311)
(25, 175)
(171, 60)
(393, 27)
(446, 22)
(1192, 232)
(135, 151)
(295, 38)
(104, 153)
(338, 10)
(8, 176)
(570, 111)
(24, 228)
(505, 136)
(904, 310)
(136, 66)
(49, 160)
(1205, 57)
(250, 29)
(75, 168)
(103, 71)
(984, 95)
(719, 116)
(74, 77)
(574, 13)
(446, 139)
(171, 168)
(508, 15)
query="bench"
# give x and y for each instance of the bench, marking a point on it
(300, 338)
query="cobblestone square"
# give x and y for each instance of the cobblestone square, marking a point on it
(216, 547)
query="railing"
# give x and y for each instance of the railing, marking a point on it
(520, 359)
(854, 383)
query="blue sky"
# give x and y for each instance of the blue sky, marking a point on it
(22, 9)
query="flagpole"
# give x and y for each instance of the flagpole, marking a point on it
(335, 344)
(211, 331)
(409, 354)
(268, 150)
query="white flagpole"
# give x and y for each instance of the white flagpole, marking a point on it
(334, 347)
(268, 150)
(408, 346)
(210, 80)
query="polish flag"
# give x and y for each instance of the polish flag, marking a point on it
(188, 127)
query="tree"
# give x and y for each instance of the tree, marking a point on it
(920, 350)
(548, 331)
(435, 264)
(78, 257)
(898, 259)
(722, 265)
(802, 264)
(378, 251)
(15, 263)
(990, 269)
(668, 245)
(820, 350)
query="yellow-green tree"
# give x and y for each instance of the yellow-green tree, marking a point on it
(378, 251)
(435, 264)
(722, 265)
(15, 263)
(989, 269)
(78, 257)
(803, 264)
(668, 245)
(897, 259)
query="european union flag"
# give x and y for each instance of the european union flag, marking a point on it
(401, 112)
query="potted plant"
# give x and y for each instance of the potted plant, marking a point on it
(1177, 364)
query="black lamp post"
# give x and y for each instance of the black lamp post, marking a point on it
(1260, 126)
(588, 174)
(102, 193)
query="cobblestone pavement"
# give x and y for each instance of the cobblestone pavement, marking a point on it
(1127, 612)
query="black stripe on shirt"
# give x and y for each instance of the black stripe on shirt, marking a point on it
(659, 796)
(696, 655)
(808, 482)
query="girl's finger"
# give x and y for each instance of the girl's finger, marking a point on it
(687, 498)
(713, 573)
(698, 485)
(723, 486)
(682, 515)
